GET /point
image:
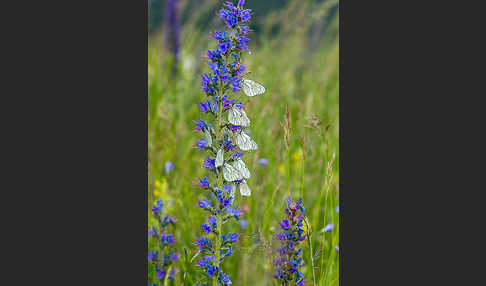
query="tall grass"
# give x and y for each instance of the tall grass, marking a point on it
(295, 56)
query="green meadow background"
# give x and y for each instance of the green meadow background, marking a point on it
(295, 55)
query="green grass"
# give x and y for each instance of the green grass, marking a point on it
(300, 71)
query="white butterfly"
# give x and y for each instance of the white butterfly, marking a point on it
(209, 139)
(230, 174)
(219, 158)
(244, 189)
(232, 193)
(240, 166)
(245, 142)
(252, 88)
(238, 116)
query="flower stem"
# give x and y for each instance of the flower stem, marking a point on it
(220, 181)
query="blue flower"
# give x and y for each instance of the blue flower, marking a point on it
(241, 43)
(235, 82)
(239, 105)
(246, 15)
(214, 55)
(263, 161)
(200, 125)
(241, 3)
(228, 146)
(229, 252)
(205, 107)
(206, 228)
(205, 203)
(225, 280)
(167, 238)
(172, 273)
(152, 231)
(290, 260)
(152, 254)
(229, 17)
(337, 209)
(234, 211)
(160, 273)
(238, 155)
(213, 222)
(207, 262)
(204, 183)
(219, 36)
(223, 47)
(157, 209)
(225, 202)
(328, 228)
(232, 237)
(204, 243)
(207, 83)
(169, 166)
(227, 102)
(175, 256)
(244, 30)
(243, 224)
(300, 278)
(227, 188)
(202, 144)
(284, 224)
(209, 163)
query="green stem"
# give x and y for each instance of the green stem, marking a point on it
(220, 180)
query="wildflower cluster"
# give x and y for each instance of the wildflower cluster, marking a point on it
(224, 140)
(289, 261)
(161, 256)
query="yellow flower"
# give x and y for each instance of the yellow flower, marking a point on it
(297, 156)
(160, 190)
(297, 159)
(304, 227)
(281, 168)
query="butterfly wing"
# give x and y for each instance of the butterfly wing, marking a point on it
(232, 193)
(238, 117)
(219, 158)
(244, 189)
(240, 166)
(209, 139)
(230, 174)
(251, 87)
(245, 142)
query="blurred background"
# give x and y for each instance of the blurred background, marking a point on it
(295, 55)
